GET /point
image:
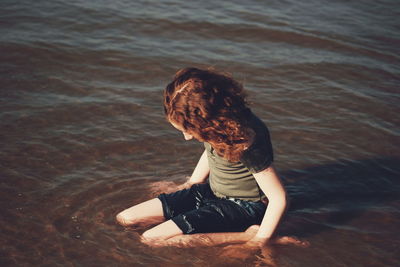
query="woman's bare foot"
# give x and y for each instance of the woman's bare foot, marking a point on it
(281, 240)
(290, 240)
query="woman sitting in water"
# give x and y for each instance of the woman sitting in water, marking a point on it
(243, 188)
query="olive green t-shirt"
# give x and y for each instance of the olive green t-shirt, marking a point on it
(235, 179)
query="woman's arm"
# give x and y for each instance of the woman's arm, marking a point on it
(202, 170)
(270, 184)
(199, 175)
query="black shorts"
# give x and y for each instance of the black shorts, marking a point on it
(198, 210)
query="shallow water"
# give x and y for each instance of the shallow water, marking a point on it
(83, 134)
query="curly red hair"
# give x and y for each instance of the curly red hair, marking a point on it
(210, 106)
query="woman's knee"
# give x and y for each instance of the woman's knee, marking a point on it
(148, 234)
(125, 218)
(164, 230)
(148, 212)
(122, 219)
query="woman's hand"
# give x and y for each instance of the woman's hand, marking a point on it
(257, 242)
(167, 187)
(185, 185)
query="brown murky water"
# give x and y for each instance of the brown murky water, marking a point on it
(83, 134)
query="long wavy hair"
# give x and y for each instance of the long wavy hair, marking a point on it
(210, 106)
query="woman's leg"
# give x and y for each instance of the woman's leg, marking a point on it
(204, 240)
(147, 213)
(215, 239)
(162, 232)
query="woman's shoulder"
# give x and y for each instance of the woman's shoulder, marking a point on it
(260, 132)
(259, 153)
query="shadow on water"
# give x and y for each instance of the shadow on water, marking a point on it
(332, 195)
(338, 200)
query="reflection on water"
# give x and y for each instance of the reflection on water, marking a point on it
(83, 134)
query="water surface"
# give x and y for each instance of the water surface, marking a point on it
(83, 133)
